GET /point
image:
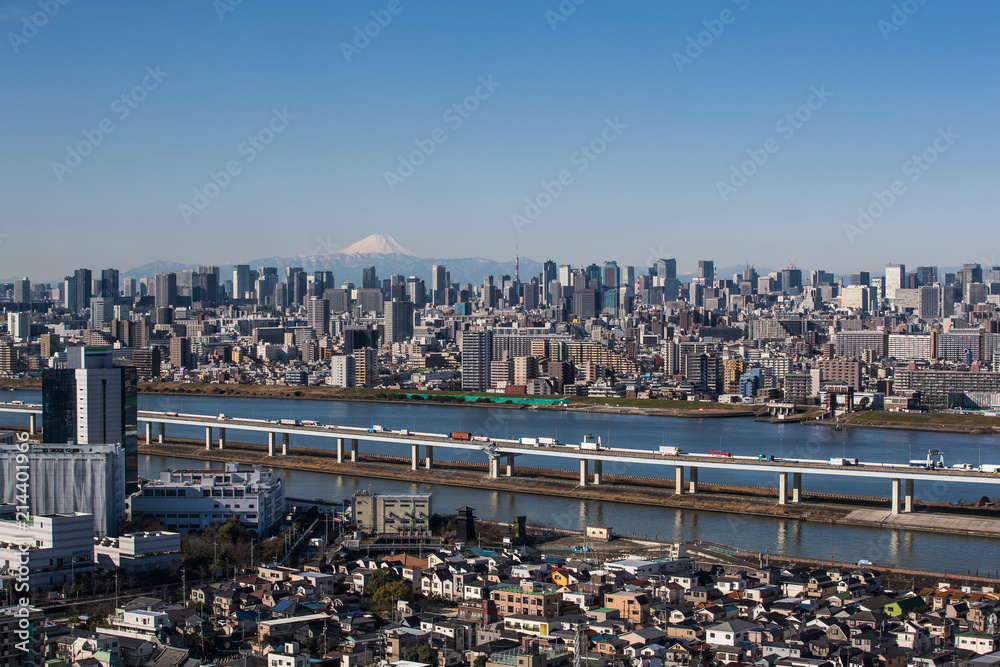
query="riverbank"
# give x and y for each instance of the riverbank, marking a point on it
(656, 492)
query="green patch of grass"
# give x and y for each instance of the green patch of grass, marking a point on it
(930, 419)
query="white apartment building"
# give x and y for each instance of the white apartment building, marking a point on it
(186, 500)
(62, 546)
(139, 551)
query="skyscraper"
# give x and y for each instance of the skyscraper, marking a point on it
(295, 278)
(166, 290)
(439, 285)
(489, 293)
(82, 279)
(895, 275)
(109, 285)
(706, 271)
(666, 277)
(368, 278)
(477, 350)
(398, 321)
(94, 403)
(22, 291)
(241, 280)
(318, 315)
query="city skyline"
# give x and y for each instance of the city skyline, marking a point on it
(824, 135)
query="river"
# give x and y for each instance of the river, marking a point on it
(737, 435)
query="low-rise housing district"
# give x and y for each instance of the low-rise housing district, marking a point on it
(516, 606)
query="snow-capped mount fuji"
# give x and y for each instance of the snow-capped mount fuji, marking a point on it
(376, 244)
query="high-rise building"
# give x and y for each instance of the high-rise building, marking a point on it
(365, 366)
(477, 349)
(83, 279)
(109, 285)
(861, 278)
(611, 275)
(166, 290)
(369, 280)
(548, 274)
(706, 271)
(241, 281)
(69, 294)
(19, 325)
(22, 291)
(102, 311)
(318, 315)
(180, 352)
(895, 276)
(295, 278)
(343, 371)
(398, 321)
(926, 275)
(439, 285)
(489, 293)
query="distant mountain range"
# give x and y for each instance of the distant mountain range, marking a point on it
(378, 250)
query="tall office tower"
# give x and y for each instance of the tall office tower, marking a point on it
(371, 300)
(398, 321)
(565, 276)
(489, 293)
(166, 290)
(318, 315)
(19, 325)
(820, 277)
(930, 302)
(205, 286)
(94, 403)
(629, 280)
(706, 271)
(295, 280)
(265, 286)
(861, 278)
(439, 285)
(280, 296)
(69, 293)
(587, 303)
(416, 292)
(368, 278)
(791, 280)
(895, 274)
(22, 291)
(970, 273)
(529, 297)
(180, 352)
(549, 272)
(83, 279)
(185, 286)
(666, 277)
(611, 275)
(477, 353)
(554, 293)
(926, 275)
(241, 281)
(323, 280)
(102, 311)
(129, 289)
(109, 285)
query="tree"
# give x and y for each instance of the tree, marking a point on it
(379, 578)
(424, 654)
(394, 590)
(480, 661)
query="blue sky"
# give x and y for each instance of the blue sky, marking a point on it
(673, 130)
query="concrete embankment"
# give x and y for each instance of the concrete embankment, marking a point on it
(648, 491)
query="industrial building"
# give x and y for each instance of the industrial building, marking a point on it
(402, 514)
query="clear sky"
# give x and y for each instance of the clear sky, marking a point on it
(671, 97)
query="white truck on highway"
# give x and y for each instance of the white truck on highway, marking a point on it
(843, 462)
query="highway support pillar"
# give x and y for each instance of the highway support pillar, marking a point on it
(32, 423)
(908, 496)
(340, 450)
(163, 432)
(598, 471)
(270, 443)
(796, 487)
(414, 457)
(208, 437)
(895, 496)
(354, 450)
(693, 480)
(583, 472)
(429, 459)
(679, 480)
(510, 465)
(284, 444)
(222, 438)
(494, 467)
(149, 433)
(782, 488)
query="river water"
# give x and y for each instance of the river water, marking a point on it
(737, 435)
